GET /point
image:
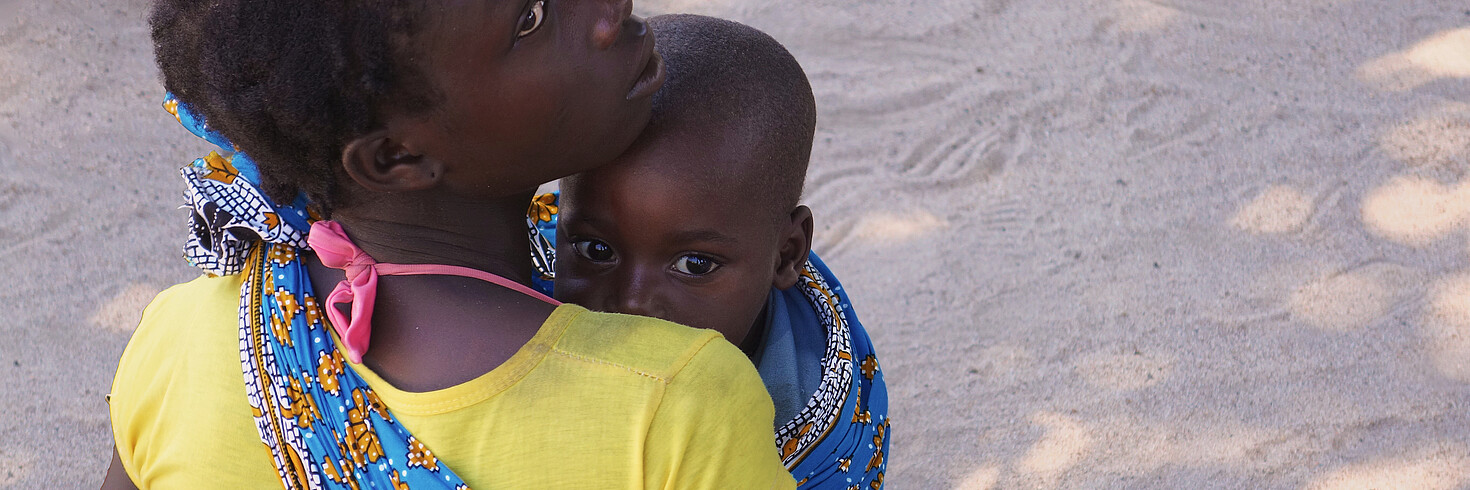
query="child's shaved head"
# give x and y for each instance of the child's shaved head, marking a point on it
(730, 79)
(698, 220)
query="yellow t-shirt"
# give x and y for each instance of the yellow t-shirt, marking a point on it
(594, 400)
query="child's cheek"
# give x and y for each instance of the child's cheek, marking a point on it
(570, 288)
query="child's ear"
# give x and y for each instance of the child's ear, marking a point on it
(382, 164)
(796, 244)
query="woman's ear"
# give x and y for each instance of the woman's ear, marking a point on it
(379, 163)
(796, 244)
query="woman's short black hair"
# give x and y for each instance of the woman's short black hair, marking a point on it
(290, 82)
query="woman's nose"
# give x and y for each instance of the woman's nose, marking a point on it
(617, 15)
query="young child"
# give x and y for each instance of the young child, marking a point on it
(698, 223)
(392, 148)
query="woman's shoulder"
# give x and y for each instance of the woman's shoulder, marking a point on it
(177, 399)
(185, 315)
(648, 346)
(204, 293)
(196, 319)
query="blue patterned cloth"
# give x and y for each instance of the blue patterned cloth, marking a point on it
(324, 426)
(817, 361)
(839, 438)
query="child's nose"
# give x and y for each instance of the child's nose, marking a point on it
(641, 306)
(638, 297)
(636, 300)
(617, 15)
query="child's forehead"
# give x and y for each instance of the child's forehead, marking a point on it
(682, 170)
(705, 160)
(672, 212)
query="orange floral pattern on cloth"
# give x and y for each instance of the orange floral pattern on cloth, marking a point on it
(543, 207)
(302, 408)
(398, 483)
(329, 366)
(218, 168)
(282, 330)
(286, 301)
(419, 455)
(870, 367)
(362, 438)
(229, 215)
(313, 312)
(282, 255)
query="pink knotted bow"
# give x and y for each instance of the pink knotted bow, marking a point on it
(360, 290)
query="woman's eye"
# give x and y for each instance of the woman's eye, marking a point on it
(532, 20)
(695, 265)
(594, 250)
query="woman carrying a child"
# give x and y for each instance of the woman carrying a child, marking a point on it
(365, 321)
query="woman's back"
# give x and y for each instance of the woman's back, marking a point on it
(592, 401)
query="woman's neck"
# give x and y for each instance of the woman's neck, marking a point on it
(430, 332)
(489, 236)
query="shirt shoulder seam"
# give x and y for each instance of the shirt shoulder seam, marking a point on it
(564, 353)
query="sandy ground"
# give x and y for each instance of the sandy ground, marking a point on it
(1098, 243)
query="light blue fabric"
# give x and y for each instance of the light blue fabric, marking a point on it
(789, 359)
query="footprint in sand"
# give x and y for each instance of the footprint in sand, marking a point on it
(1436, 57)
(1142, 16)
(1447, 326)
(1152, 118)
(881, 228)
(1439, 138)
(1416, 211)
(1429, 468)
(1000, 228)
(1066, 443)
(1278, 209)
(963, 157)
(1355, 298)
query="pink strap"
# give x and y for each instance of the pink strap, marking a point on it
(360, 289)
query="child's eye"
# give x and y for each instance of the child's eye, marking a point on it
(532, 19)
(695, 265)
(594, 250)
